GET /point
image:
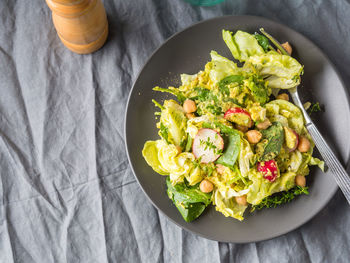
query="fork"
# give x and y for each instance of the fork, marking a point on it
(341, 176)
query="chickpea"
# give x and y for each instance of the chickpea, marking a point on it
(189, 106)
(220, 168)
(283, 96)
(190, 115)
(304, 144)
(264, 125)
(287, 47)
(241, 128)
(253, 136)
(206, 186)
(300, 180)
(241, 200)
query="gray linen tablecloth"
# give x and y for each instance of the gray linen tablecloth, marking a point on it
(67, 191)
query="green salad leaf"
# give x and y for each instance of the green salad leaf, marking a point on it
(263, 41)
(221, 67)
(173, 123)
(280, 71)
(274, 41)
(242, 45)
(229, 80)
(262, 188)
(271, 144)
(227, 205)
(230, 153)
(189, 200)
(259, 91)
(150, 153)
(180, 97)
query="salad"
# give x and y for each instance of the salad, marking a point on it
(232, 138)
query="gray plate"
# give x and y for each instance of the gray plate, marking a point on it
(188, 52)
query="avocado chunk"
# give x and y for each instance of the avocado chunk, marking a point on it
(291, 138)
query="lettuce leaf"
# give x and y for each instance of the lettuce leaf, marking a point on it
(318, 162)
(189, 200)
(165, 159)
(227, 205)
(221, 67)
(231, 151)
(242, 45)
(261, 188)
(286, 113)
(186, 79)
(245, 156)
(280, 71)
(150, 153)
(173, 122)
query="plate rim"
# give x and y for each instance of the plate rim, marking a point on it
(308, 217)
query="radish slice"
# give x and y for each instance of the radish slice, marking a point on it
(207, 145)
(239, 116)
(268, 169)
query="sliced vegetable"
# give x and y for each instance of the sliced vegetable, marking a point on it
(207, 145)
(269, 170)
(239, 116)
(291, 138)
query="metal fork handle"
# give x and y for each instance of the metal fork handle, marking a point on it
(341, 176)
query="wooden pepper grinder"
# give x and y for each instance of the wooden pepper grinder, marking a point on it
(81, 24)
